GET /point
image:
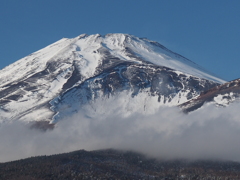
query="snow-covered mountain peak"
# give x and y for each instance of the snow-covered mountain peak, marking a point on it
(73, 72)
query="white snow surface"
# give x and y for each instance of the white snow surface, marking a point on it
(224, 100)
(32, 63)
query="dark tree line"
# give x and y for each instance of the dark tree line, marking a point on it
(111, 164)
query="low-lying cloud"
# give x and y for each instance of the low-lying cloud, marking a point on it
(208, 133)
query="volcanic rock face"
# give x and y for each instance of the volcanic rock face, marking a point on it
(159, 84)
(220, 95)
(70, 73)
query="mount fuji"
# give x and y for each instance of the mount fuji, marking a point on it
(60, 79)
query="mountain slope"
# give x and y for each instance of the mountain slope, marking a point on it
(69, 73)
(220, 95)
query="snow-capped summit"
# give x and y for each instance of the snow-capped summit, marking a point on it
(62, 77)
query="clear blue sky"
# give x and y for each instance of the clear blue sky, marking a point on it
(205, 31)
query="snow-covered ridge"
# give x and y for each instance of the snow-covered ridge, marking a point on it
(32, 63)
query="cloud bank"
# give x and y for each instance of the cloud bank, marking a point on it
(209, 133)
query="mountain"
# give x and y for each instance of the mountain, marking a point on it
(61, 78)
(220, 95)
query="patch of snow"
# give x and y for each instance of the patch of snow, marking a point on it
(225, 99)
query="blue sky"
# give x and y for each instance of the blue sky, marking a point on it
(205, 31)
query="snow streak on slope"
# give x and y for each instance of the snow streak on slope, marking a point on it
(32, 63)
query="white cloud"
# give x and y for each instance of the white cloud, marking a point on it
(210, 132)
